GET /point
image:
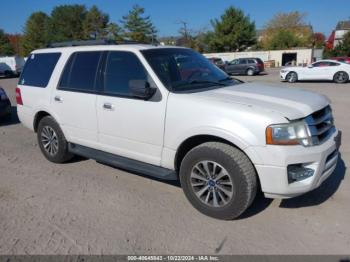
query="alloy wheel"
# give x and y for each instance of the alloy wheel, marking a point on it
(49, 140)
(341, 77)
(211, 184)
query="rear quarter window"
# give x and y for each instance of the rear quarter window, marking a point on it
(80, 72)
(38, 69)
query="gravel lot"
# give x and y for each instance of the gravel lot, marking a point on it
(84, 207)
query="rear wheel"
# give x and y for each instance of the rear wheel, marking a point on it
(292, 77)
(341, 77)
(250, 72)
(52, 142)
(219, 180)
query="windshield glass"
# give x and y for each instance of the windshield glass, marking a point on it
(182, 69)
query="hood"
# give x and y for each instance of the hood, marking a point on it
(288, 102)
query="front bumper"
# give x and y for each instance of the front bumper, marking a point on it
(283, 75)
(273, 172)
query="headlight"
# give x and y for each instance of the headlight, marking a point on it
(296, 133)
(284, 71)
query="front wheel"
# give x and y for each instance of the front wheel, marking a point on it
(292, 77)
(52, 142)
(218, 179)
(341, 77)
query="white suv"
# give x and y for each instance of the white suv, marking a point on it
(170, 113)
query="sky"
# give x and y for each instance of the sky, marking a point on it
(323, 15)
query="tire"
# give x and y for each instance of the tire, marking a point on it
(57, 150)
(341, 77)
(250, 72)
(7, 118)
(292, 77)
(237, 176)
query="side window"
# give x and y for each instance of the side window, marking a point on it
(80, 72)
(121, 68)
(234, 62)
(333, 64)
(38, 69)
(242, 61)
(320, 64)
(251, 61)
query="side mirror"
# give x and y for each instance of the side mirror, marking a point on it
(141, 89)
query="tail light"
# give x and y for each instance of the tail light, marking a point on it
(19, 97)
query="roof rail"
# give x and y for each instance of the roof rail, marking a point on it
(91, 42)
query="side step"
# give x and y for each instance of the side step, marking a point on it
(123, 162)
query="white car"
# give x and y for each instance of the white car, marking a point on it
(321, 70)
(11, 65)
(137, 107)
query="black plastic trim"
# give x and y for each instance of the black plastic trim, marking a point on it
(123, 162)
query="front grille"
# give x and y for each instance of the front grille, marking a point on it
(321, 125)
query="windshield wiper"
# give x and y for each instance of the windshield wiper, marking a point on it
(198, 82)
(206, 82)
(231, 79)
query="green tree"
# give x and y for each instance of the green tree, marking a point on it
(282, 39)
(5, 45)
(114, 32)
(95, 23)
(233, 31)
(285, 26)
(35, 33)
(138, 27)
(287, 20)
(67, 23)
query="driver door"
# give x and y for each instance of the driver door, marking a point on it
(233, 67)
(317, 71)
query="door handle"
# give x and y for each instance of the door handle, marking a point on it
(108, 106)
(58, 99)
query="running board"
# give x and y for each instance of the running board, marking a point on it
(123, 162)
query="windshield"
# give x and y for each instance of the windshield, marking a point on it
(182, 69)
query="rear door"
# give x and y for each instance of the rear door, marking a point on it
(74, 100)
(129, 126)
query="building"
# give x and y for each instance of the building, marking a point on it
(276, 57)
(337, 35)
(341, 29)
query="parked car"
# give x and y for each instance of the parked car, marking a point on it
(248, 66)
(5, 106)
(218, 62)
(342, 59)
(11, 65)
(321, 70)
(130, 106)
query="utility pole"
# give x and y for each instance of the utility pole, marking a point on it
(184, 26)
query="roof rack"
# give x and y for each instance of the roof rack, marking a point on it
(92, 42)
